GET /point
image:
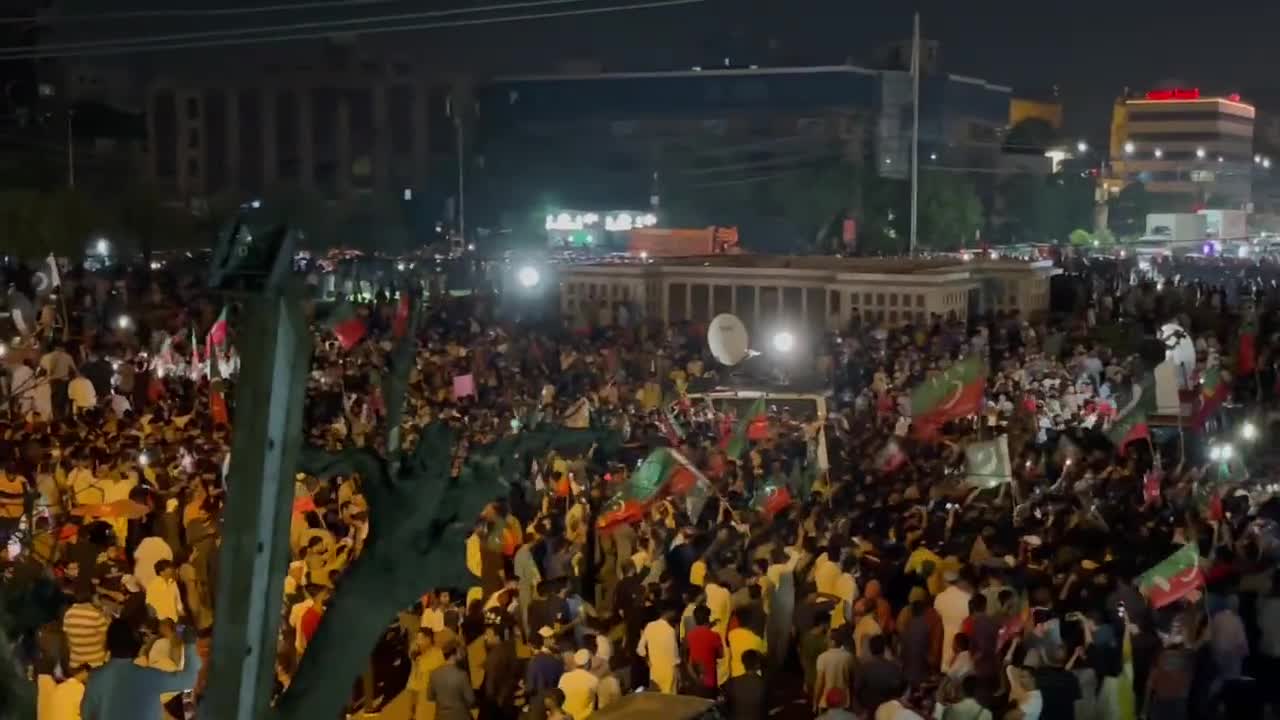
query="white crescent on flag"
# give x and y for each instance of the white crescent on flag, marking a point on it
(955, 397)
(985, 461)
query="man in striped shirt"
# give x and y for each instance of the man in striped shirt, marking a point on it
(85, 626)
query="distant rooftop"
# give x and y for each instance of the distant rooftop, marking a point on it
(829, 263)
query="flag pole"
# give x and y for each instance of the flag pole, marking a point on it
(915, 133)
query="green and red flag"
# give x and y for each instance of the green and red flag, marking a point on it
(1130, 423)
(671, 427)
(1247, 354)
(771, 499)
(400, 321)
(218, 333)
(347, 325)
(688, 483)
(196, 369)
(956, 393)
(641, 489)
(1173, 578)
(1215, 387)
(737, 443)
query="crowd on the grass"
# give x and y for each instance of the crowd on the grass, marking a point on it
(882, 583)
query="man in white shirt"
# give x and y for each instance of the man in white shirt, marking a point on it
(82, 394)
(579, 686)
(658, 644)
(162, 593)
(952, 605)
(58, 366)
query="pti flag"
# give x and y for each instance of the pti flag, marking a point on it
(771, 499)
(891, 457)
(1247, 355)
(218, 333)
(987, 463)
(642, 488)
(1174, 578)
(1215, 386)
(956, 393)
(1131, 419)
(688, 482)
(347, 325)
(738, 441)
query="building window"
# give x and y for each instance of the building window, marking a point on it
(626, 293)
(193, 108)
(893, 299)
(834, 302)
(919, 301)
(866, 298)
(893, 316)
(193, 167)
(880, 299)
(193, 138)
(569, 290)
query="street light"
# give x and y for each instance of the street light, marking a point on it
(1249, 431)
(1266, 163)
(1200, 153)
(124, 322)
(1082, 147)
(1129, 147)
(784, 342)
(1219, 158)
(1159, 153)
(102, 246)
(528, 277)
(1257, 159)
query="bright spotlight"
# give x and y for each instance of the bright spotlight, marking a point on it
(144, 458)
(1227, 451)
(1248, 431)
(1129, 148)
(1082, 146)
(784, 342)
(102, 246)
(528, 276)
(124, 322)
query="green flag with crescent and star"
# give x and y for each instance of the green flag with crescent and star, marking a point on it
(956, 393)
(1131, 419)
(987, 463)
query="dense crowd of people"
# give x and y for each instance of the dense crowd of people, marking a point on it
(843, 563)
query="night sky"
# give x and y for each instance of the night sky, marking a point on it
(1092, 50)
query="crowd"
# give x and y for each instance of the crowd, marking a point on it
(848, 564)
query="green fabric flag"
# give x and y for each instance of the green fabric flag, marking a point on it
(738, 441)
(955, 393)
(1131, 419)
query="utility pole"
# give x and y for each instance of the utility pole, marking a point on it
(71, 151)
(915, 134)
(462, 173)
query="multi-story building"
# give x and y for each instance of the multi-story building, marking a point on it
(629, 139)
(1192, 148)
(802, 292)
(342, 126)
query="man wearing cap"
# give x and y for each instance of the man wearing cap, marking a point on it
(579, 686)
(545, 667)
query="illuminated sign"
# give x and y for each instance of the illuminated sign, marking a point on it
(1175, 94)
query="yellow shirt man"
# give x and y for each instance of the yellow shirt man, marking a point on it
(741, 640)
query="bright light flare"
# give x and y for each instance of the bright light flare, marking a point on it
(528, 277)
(784, 342)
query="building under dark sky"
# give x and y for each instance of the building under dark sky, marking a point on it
(1092, 50)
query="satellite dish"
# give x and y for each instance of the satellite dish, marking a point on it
(1180, 349)
(727, 338)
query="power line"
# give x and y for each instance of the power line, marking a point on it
(118, 48)
(335, 25)
(207, 12)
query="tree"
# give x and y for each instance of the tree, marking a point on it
(37, 223)
(1045, 209)
(1127, 212)
(950, 213)
(1031, 137)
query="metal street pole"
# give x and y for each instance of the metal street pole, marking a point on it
(462, 165)
(71, 152)
(915, 133)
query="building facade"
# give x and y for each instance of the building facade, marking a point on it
(1195, 150)
(810, 293)
(644, 139)
(339, 128)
